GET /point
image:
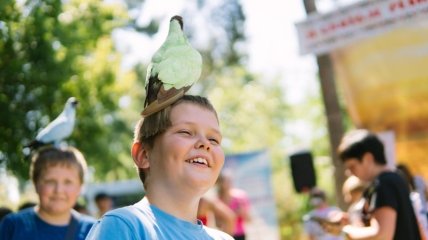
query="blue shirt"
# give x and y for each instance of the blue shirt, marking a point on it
(144, 221)
(26, 224)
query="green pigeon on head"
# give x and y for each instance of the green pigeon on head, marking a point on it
(174, 68)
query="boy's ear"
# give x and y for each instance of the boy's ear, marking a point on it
(140, 155)
(368, 157)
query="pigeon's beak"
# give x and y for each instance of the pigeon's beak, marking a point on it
(75, 103)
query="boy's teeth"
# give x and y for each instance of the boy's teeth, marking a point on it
(199, 160)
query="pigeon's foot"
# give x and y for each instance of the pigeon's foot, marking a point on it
(164, 99)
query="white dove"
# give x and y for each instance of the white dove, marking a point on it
(60, 128)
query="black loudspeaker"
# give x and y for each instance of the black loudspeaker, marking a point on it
(303, 171)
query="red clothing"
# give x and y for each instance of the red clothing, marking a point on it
(203, 219)
(239, 201)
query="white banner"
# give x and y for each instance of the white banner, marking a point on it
(388, 140)
(252, 173)
(322, 33)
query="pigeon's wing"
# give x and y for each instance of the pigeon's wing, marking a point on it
(148, 74)
(181, 68)
(57, 130)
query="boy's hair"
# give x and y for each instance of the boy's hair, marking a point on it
(405, 173)
(359, 142)
(317, 193)
(101, 196)
(147, 129)
(52, 156)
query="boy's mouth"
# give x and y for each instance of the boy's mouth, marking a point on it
(198, 161)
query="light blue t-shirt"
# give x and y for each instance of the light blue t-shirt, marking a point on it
(144, 221)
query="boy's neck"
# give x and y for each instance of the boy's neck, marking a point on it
(54, 219)
(379, 169)
(185, 209)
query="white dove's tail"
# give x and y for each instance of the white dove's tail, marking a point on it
(33, 145)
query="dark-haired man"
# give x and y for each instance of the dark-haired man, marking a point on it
(387, 212)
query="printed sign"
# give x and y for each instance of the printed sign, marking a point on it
(322, 33)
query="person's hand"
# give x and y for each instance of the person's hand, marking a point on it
(332, 228)
(334, 222)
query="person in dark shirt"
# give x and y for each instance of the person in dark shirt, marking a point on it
(387, 211)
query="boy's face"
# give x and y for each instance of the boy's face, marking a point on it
(188, 155)
(105, 204)
(58, 189)
(360, 168)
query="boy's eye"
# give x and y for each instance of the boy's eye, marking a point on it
(214, 140)
(68, 182)
(187, 132)
(48, 182)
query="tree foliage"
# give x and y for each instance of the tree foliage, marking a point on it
(50, 51)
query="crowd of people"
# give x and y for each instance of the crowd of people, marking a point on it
(384, 203)
(178, 155)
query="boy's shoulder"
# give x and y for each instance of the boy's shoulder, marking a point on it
(389, 177)
(24, 214)
(83, 218)
(217, 234)
(139, 210)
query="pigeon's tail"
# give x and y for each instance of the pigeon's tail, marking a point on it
(35, 145)
(179, 19)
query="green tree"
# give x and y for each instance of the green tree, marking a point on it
(50, 51)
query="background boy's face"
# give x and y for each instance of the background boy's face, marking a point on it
(104, 204)
(58, 189)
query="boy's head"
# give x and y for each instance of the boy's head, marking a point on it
(353, 189)
(50, 156)
(225, 180)
(149, 128)
(405, 173)
(357, 143)
(58, 175)
(362, 154)
(317, 197)
(104, 202)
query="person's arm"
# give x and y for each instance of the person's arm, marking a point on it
(382, 226)
(225, 216)
(421, 230)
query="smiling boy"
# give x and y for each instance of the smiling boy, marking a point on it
(58, 175)
(178, 155)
